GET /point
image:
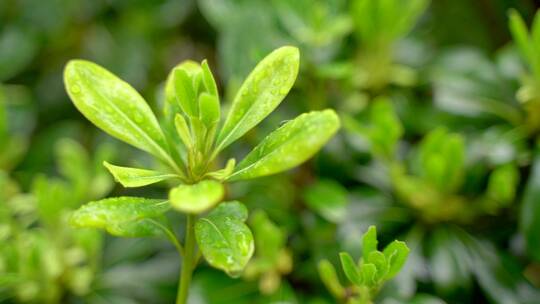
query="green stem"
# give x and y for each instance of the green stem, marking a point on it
(187, 262)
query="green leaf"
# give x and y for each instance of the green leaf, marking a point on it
(208, 79)
(224, 173)
(396, 254)
(260, 94)
(328, 275)
(290, 145)
(182, 129)
(369, 274)
(74, 164)
(209, 109)
(269, 238)
(329, 199)
(198, 197)
(530, 210)
(350, 269)
(122, 216)
(378, 259)
(224, 239)
(369, 242)
(184, 86)
(134, 177)
(502, 184)
(115, 107)
(519, 31)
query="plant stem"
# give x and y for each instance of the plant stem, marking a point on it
(187, 262)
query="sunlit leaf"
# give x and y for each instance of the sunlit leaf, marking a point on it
(198, 197)
(290, 145)
(260, 94)
(135, 177)
(115, 107)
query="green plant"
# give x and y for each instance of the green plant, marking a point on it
(432, 180)
(378, 25)
(188, 146)
(368, 275)
(43, 259)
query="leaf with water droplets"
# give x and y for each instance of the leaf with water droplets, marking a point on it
(198, 197)
(135, 177)
(123, 216)
(260, 94)
(115, 107)
(290, 145)
(224, 239)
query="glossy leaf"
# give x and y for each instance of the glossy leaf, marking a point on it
(290, 145)
(135, 177)
(262, 91)
(350, 269)
(115, 107)
(224, 239)
(122, 216)
(196, 198)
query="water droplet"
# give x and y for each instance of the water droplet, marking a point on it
(75, 89)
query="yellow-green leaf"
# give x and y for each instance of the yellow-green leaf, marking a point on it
(135, 177)
(198, 197)
(115, 107)
(290, 145)
(262, 91)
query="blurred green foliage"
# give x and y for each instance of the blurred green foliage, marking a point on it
(439, 102)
